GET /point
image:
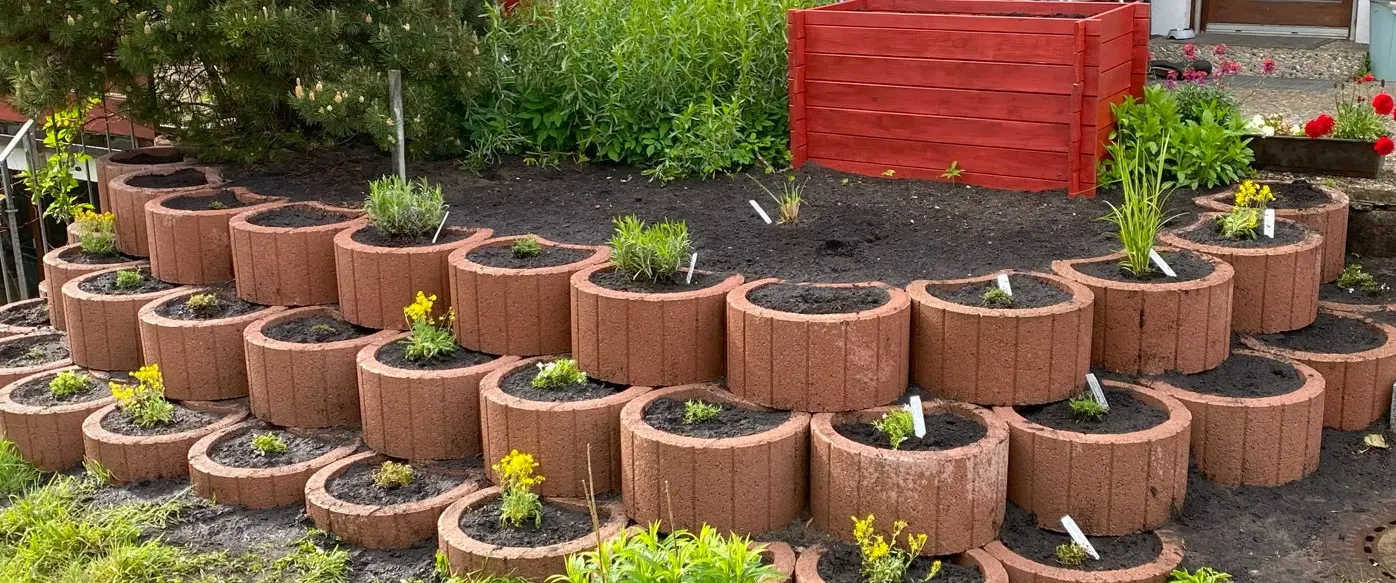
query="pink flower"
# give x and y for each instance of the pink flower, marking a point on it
(1172, 75)
(1267, 66)
(1170, 84)
(1189, 52)
(1230, 68)
(1219, 50)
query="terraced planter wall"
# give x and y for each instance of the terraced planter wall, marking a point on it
(807, 568)
(202, 360)
(57, 271)
(49, 437)
(767, 472)
(286, 266)
(104, 329)
(7, 330)
(191, 246)
(115, 164)
(1148, 328)
(253, 487)
(995, 356)
(147, 457)
(376, 282)
(1331, 221)
(1112, 484)
(421, 414)
(526, 312)
(648, 339)
(959, 493)
(468, 555)
(375, 527)
(1274, 289)
(817, 362)
(1023, 570)
(128, 206)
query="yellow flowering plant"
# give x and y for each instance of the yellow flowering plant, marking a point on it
(144, 402)
(1244, 218)
(518, 501)
(96, 232)
(883, 562)
(430, 336)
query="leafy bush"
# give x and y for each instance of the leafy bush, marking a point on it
(145, 401)
(429, 337)
(404, 209)
(268, 444)
(1194, 98)
(518, 501)
(883, 562)
(559, 373)
(393, 475)
(698, 411)
(651, 252)
(897, 426)
(1209, 151)
(96, 233)
(646, 556)
(69, 383)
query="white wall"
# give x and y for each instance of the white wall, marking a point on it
(1166, 15)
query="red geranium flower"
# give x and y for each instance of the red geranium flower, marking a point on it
(1368, 78)
(1384, 145)
(1383, 103)
(1319, 126)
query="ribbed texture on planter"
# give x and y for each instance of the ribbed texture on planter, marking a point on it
(296, 384)
(750, 484)
(421, 414)
(995, 356)
(57, 271)
(558, 434)
(48, 437)
(1112, 484)
(807, 568)
(117, 164)
(128, 206)
(286, 266)
(956, 496)
(818, 362)
(1274, 289)
(202, 360)
(468, 555)
(1331, 221)
(526, 312)
(104, 329)
(254, 487)
(11, 374)
(1357, 386)
(147, 457)
(376, 527)
(1023, 570)
(7, 330)
(1262, 441)
(649, 339)
(1149, 328)
(376, 282)
(191, 246)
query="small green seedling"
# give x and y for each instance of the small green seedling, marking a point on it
(35, 354)
(698, 411)
(1203, 575)
(996, 298)
(1240, 223)
(322, 329)
(1085, 408)
(217, 205)
(1070, 554)
(559, 373)
(952, 172)
(268, 444)
(788, 200)
(897, 426)
(201, 302)
(129, 279)
(69, 383)
(392, 475)
(527, 247)
(1355, 278)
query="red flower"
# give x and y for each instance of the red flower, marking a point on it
(1384, 145)
(1383, 103)
(1267, 66)
(1319, 126)
(1368, 78)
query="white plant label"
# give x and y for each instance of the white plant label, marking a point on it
(1162, 265)
(1004, 285)
(692, 262)
(760, 211)
(1079, 537)
(440, 226)
(1268, 223)
(1096, 392)
(918, 416)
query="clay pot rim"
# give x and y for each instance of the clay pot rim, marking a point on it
(897, 300)
(253, 333)
(807, 565)
(148, 314)
(1081, 296)
(489, 389)
(1221, 273)
(1313, 387)
(212, 179)
(367, 359)
(1215, 201)
(1179, 420)
(110, 159)
(1312, 240)
(54, 259)
(344, 239)
(70, 288)
(1169, 557)
(42, 367)
(9, 405)
(199, 455)
(632, 419)
(156, 206)
(996, 431)
(448, 527)
(230, 414)
(242, 221)
(581, 281)
(459, 258)
(316, 492)
(21, 330)
(1384, 351)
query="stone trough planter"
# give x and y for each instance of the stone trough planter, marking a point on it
(391, 526)
(807, 567)
(104, 328)
(116, 164)
(1330, 219)
(68, 262)
(140, 457)
(48, 432)
(375, 282)
(128, 197)
(189, 241)
(202, 359)
(287, 265)
(268, 487)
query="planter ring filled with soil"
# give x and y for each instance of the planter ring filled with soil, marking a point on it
(1322, 208)
(817, 347)
(21, 356)
(48, 429)
(510, 305)
(68, 262)
(390, 526)
(200, 351)
(24, 317)
(746, 453)
(129, 193)
(104, 321)
(1021, 568)
(1036, 350)
(256, 481)
(989, 568)
(189, 233)
(283, 255)
(115, 164)
(376, 281)
(159, 455)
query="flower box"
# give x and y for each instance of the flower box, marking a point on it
(1304, 155)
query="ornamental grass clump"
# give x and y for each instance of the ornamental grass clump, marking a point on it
(144, 402)
(96, 232)
(69, 383)
(646, 556)
(393, 475)
(268, 444)
(897, 426)
(883, 562)
(560, 373)
(428, 337)
(518, 501)
(1139, 216)
(788, 200)
(653, 253)
(403, 209)
(698, 411)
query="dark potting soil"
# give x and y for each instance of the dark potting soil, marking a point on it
(229, 305)
(223, 199)
(1021, 535)
(1240, 375)
(297, 215)
(135, 158)
(503, 257)
(560, 524)
(22, 351)
(943, 431)
(841, 563)
(1210, 234)
(1329, 334)
(35, 393)
(301, 446)
(372, 235)
(520, 384)
(31, 316)
(619, 281)
(1127, 415)
(105, 284)
(1028, 292)
(394, 354)
(1186, 264)
(1300, 194)
(356, 485)
(813, 299)
(304, 330)
(184, 419)
(666, 414)
(77, 255)
(186, 178)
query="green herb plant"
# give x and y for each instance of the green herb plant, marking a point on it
(403, 209)
(216, 205)
(697, 411)
(429, 336)
(897, 426)
(1356, 120)
(653, 253)
(526, 247)
(1240, 223)
(1210, 142)
(53, 183)
(788, 200)
(268, 444)
(996, 298)
(322, 329)
(1085, 408)
(393, 475)
(952, 172)
(1070, 554)
(682, 556)
(200, 303)
(1202, 575)
(129, 279)
(518, 501)
(68, 383)
(560, 373)
(1355, 278)
(144, 402)
(1139, 216)
(883, 561)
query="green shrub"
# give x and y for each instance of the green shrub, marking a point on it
(526, 247)
(129, 279)
(1085, 408)
(1194, 98)
(392, 475)
(1209, 146)
(650, 252)
(69, 383)
(996, 298)
(646, 556)
(1070, 554)
(268, 444)
(404, 209)
(201, 302)
(897, 426)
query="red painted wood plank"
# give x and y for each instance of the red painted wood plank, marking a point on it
(990, 104)
(845, 6)
(1047, 79)
(1109, 53)
(1044, 137)
(985, 7)
(1004, 161)
(917, 173)
(941, 22)
(1046, 49)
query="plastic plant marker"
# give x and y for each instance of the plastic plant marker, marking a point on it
(1004, 285)
(918, 417)
(1162, 265)
(1096, 392)
(1079, 537)
(760, 211)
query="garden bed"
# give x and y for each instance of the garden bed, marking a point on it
(189, 241)
(21, 356)
(299, 271)
(68, 262)
(24, 317)
(224, 467)
(132, 453)
(341, 498)
(840, 563)
(104, 320)
(200, 349)
(129, 193)
(47, 428)
(1028, 554)
(1323, 208)
(507, 551)
(377, 276)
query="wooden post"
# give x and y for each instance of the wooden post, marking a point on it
(795, 32)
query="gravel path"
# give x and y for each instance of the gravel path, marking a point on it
(1337, 60)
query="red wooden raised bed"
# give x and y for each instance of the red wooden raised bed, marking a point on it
(1013, 92)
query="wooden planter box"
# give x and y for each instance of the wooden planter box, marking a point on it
(1018, 98)
(1305, 155)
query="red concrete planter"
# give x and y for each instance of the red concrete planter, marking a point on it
(648, 339)
(1357, 386)
(115, 164)
(468, 555)
(11, 374)
(1330, 220)
(818, 362)
(128, 206)
(768, 472)
(1023, 570)
(296, 384)
(192, 246)
(1264, 441)
(286, 266)
(376, 282)
(421, 414)
(43, 290)
(558, 434)
(959, 492)
(1112, 484)
(7, 330)
(202, 360)
(782, 557)
(807, 568)
(375, 527)
(58, 270)
(254, 487)
(103, 329)
(994, 356)
(1148, 328)
(50, 437)
(141, 457)
(1275, 289)
(526, 312)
